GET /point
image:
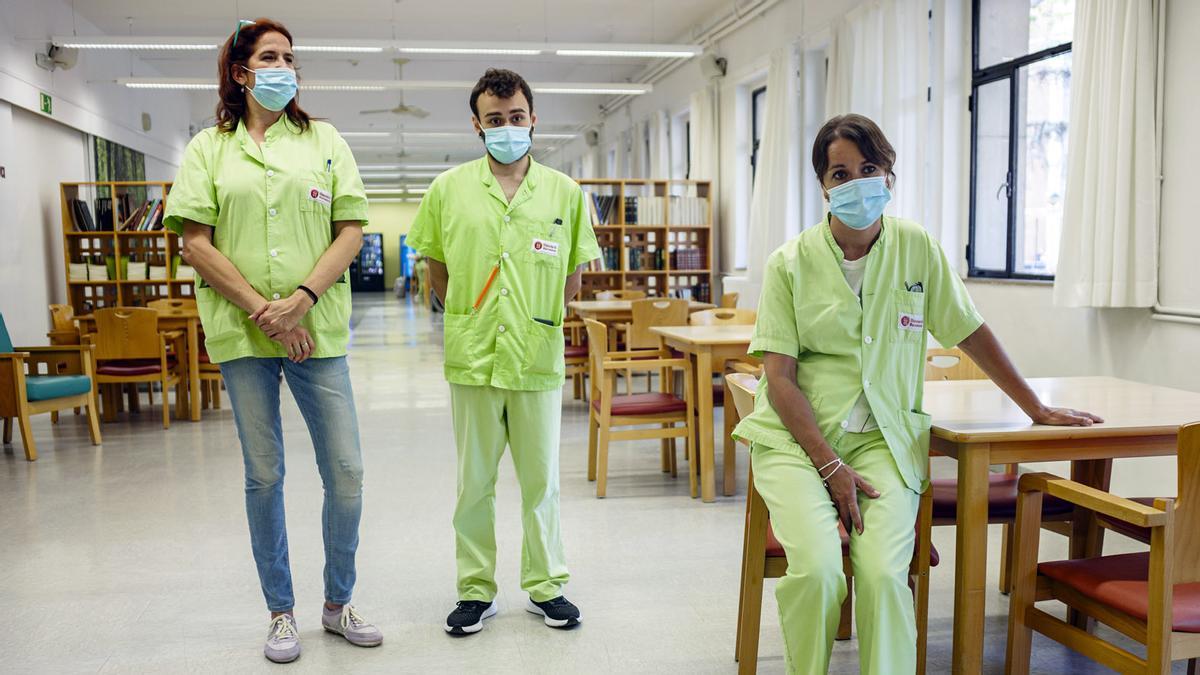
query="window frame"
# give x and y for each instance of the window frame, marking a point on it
(755, 132)
(979, 78)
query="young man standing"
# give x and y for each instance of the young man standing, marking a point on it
(506, 240)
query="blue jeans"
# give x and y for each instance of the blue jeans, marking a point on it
(322, 390)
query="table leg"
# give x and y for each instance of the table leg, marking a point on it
(1087, 537)
(970, 563)
(193, 388)
(731, 420)
(704, 420)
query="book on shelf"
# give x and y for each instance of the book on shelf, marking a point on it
(691, 258)
(81, 216)
(157, 272)
(602, 208)
(645, 210)
(185, 272)
(104, 213)
(97, 272)
(77, 271)
(136, 271)
(135, 216)
(689, 210)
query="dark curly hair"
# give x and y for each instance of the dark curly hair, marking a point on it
(231, 96)
(500, 83)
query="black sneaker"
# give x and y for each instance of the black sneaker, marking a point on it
(559, 612)
(468, 616)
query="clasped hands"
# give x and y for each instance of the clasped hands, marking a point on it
(280, 321)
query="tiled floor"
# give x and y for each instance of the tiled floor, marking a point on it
(134, 556)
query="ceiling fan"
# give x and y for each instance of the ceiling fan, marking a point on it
(401, 109)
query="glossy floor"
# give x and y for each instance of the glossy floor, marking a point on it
(134, 556)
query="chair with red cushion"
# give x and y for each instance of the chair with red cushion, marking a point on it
(130, 349)
(954, 365)
(575, 354)
(763, 558)
(668, 415)
(1151, 597)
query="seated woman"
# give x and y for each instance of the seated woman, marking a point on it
(837, 431)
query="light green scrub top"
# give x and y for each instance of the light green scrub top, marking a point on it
(537, 240)
(844, 348)
(272, 210)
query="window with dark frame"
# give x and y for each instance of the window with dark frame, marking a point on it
(687, 145)
(1020, 103)
(758, 108)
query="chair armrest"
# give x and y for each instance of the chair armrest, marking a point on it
(59, 349)
(649, 364)
(743, 367)
(633, 354)
(171, 334)
(60, 359)
(1095, 500)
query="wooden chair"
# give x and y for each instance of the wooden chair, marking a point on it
(954, 364)
(668, 414)
(65, 331)
(1152, 597)
(210, 373)
(724, 316)
(763, 558)
(130, 349)
(648, 313)
(728, 301)
(620, 295)
(36, 380)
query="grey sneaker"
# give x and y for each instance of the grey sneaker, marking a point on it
(283, 640)
(349, 624)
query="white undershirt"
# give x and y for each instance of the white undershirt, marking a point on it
(860, 419)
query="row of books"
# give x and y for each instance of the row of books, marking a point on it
(689, 211)
(601, 208)
(144, 218)
(105, 268)
(687, 259)
(645, 210)
(701, 292)
(637, 258)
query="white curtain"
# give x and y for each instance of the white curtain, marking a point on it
(883, 64)
(775, 203)
(660, 145)
(1109, 251)
(705, 125)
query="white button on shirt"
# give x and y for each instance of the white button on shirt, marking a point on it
(275, 296)
(503, 291)
(504, 255)
(274, 252)
(270, 172)
(272, 212)
(501, 329)
(845, 424)
(868, 339)
(507, 219)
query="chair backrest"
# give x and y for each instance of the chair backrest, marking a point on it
(654, 312)
(724, 316)
(126, 333)
(743, 387)
(950, 364)
(62, 317)
(729, 300)
(172, 303)
(1187, 507)
(620, 295)
(6, 345)
(597, 337)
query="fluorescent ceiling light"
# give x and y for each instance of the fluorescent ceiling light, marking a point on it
(403, 167)
(469, 51)
(628, 53)
(391, 175)
(412, 200)
(583, 88)
(337, 49)
(398, 191)
(142, 46)
(365, 134)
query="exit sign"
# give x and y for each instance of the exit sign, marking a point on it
(47, 104)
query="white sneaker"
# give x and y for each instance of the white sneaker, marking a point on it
(349, 624)
(283, 640)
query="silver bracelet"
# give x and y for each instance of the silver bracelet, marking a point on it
(835, 460)
(835, 470)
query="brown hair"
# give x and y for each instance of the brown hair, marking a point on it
(859, 130)
(231, 103)
(501, 84)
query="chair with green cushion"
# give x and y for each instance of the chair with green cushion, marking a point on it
(37, 380)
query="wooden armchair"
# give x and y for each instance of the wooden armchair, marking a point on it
(130, 349)
(764, 558)
(1152, 597)
(669, 415)
(65, 331)
(646, 314)
(37, 380)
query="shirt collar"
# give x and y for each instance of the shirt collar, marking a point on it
(838, 255)
(523, 193)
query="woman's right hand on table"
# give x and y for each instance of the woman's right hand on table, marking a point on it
(844, 486)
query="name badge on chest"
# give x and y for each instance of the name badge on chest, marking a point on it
(544, 247)
(318, 195)
(912, 322)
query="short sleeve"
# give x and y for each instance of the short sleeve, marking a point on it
(425, 236)
(584, 247)
(950, 315)
(193, 195)
(349, 196)
(775, 330)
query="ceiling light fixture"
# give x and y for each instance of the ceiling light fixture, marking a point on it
(628, 53)
(581, 88)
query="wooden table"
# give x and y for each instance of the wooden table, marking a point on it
(975, 423)
(707, 347)
(613, 311)
(173, 319)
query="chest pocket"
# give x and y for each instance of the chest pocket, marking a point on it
(907, 317)
(316, 193)
(546, 246)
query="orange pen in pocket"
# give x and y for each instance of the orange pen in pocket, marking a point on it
(486, 286)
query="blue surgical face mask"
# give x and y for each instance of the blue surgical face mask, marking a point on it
(507, 144)
(274, 88)
(859, 203)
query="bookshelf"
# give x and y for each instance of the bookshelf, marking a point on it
(656, 236)
(115, 251)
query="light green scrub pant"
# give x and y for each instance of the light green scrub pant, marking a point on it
(486, 419)
(804, 520)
